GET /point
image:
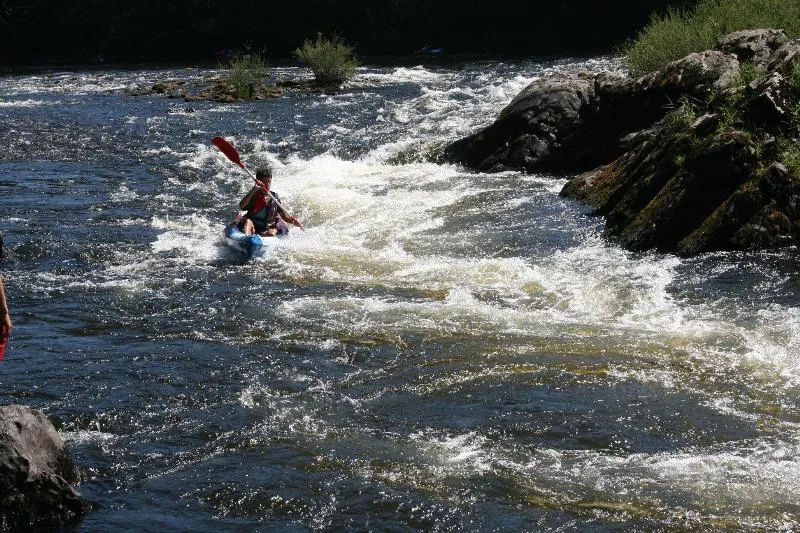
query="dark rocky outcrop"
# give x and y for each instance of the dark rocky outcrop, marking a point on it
(692, 158)
(577, 120)
(543, 127)
(35, 473)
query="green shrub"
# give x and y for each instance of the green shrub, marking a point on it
(330, 59)
(677, 33)
(793, 76)
(790, 155)
(246, 72)
(748, 71)
(683, 115)
(666, 38)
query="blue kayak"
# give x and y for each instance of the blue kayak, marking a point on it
(250, 246)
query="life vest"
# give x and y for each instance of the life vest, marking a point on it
(265, 213)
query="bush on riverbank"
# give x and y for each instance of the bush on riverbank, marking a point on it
(678, 33)
(332, 61)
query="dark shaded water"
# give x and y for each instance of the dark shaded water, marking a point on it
(441, 350)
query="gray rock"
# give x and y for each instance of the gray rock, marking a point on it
(783, 59)
(753, 45)
(35, 472)
(767, 102)
(535, 130)
(697, 74)
(572, 122)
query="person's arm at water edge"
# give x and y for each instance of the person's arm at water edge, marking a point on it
(5, 317)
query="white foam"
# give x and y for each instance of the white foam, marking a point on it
(194, 233)
(30, 103)
(463, 454)
(87, 436)
(123, 194)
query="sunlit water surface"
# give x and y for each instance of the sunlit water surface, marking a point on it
(442, 350)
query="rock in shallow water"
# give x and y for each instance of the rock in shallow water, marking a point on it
(35, 473)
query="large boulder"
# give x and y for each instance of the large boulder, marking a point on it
(783, 59)
(35, 473)
(666, 194)
(763, 213)
(574, 121)
(537, 129)
(715, 182)
(753, 45)
(629, 104)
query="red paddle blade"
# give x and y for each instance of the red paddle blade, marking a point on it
(227, 149)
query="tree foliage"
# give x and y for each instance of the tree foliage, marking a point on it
(191, 30)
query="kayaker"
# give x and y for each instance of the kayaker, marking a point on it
(264, 215)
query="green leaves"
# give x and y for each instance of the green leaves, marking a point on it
(678, 33)
(247, 72)
(331, 60)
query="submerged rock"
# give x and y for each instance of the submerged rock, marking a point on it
(692, 158)
(35, 473)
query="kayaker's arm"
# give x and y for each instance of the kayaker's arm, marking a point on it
(248, 199)
(286, 216)
(292, 220)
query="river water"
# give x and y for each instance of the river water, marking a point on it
(441, 350)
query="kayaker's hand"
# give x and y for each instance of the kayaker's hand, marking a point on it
(296, 222)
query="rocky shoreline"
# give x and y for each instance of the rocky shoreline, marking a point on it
(219, 90)
(699, 156)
